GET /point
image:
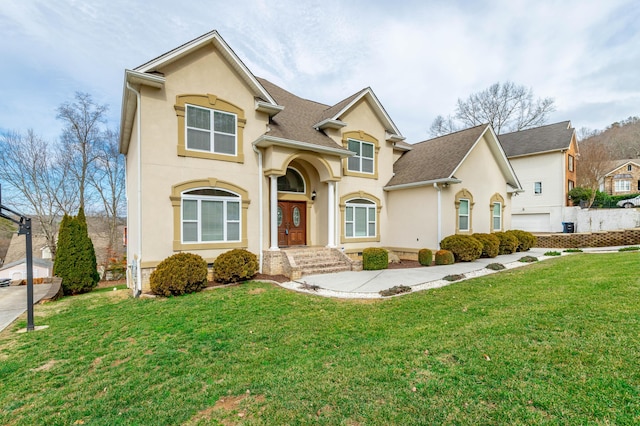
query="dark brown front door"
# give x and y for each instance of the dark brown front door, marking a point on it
(292, 223)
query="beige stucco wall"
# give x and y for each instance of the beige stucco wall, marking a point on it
(415, 211)
(545, 168)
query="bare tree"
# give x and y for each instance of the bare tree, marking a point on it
(507, 107)
(107, 180)
(595, 162)
(80, 137)
(36, 182)
(443, 126)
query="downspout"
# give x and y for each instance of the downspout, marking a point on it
(138, 287)
(261, 221)
(435, 185)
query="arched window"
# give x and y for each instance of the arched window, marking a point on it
(360, 218)
(210, 215)
(464, 211)
(291, 182)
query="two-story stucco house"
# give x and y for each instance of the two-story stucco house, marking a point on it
(218, 158)
(544, 159)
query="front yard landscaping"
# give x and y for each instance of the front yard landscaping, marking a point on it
(554, 342)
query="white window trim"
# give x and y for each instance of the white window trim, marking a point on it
(534, 188)
(467, 215)
(618, 184)
(499, 216)
(199, 198)
(360, 157)
(371, 209)
(212, 131)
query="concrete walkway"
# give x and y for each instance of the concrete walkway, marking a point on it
(13, 301)
(368, 284)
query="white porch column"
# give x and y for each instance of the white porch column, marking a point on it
(273, 212)
(331, 215)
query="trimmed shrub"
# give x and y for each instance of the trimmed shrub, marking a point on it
(425, 257)
(179, 274)
(495, 266)
(374, 258)
(526, 240)
(444, 257)
(553, 253)
(490, 244)
(465, 248)
(528, 259)
(454, 277)
(235, 265)
(75, 260)
(508, 242)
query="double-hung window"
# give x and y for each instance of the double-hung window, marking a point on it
(210, 215)
(537, 188)
(463, 215)
(210, 130)
(497, 216)
(360, 218)
(363, 159)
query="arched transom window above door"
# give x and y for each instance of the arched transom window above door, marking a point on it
(292, 181)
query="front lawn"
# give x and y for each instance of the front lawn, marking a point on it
(556, 342)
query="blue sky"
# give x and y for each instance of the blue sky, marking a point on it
(419, 57)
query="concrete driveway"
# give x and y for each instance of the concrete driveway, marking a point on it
(13, 301)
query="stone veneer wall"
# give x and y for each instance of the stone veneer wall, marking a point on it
(590, 239)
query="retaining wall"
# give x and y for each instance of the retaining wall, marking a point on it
(624, 237)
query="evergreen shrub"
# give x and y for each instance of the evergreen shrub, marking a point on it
(526, 240)
(374, 258)
(490, 244)
(508, 242)
(465, 248)
(75, 260)
(234, 266)
(444, 257)
(425, 257)
(179, 274)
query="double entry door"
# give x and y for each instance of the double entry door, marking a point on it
(292, 223)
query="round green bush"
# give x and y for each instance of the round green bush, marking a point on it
(179, 274)
(526, 240)
(425, 257)
(235, 265)
(508, 242)
(465, 248)
(374, 258)
(444, 257)
(490, 244)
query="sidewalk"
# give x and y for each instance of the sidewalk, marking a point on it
(368, 284)
(13, 301)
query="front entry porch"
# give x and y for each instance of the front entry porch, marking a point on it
(296, 262)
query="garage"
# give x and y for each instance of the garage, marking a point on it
(535, 222)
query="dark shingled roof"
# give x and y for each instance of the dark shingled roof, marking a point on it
(435, 158)
(614, 165)
(552, 137)
(296, 120)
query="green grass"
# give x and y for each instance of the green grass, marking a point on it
(555, 342)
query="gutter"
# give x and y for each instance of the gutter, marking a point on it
(261, 221)
(423, 183)
(137, 290)
(265, 140)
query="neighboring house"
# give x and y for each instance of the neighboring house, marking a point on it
(544, 159)
(623, 177)
(220, 159)
(17, 270)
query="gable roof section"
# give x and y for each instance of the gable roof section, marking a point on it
(147, 74)
(437, 160)
(543, 139)
(335, 112)
(613, 166)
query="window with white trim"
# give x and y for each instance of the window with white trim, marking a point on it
(463, 215)
(497, 216)
(537, 188)
(210, 215)
(209, 130)
(363, 160)
(360, 218)
(622, 186)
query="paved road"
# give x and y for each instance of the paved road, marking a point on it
(13, 301)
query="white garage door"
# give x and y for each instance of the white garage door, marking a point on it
(539, 222)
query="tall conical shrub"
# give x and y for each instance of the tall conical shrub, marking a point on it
(75, 257)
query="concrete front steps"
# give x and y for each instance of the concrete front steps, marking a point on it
(315, 260)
